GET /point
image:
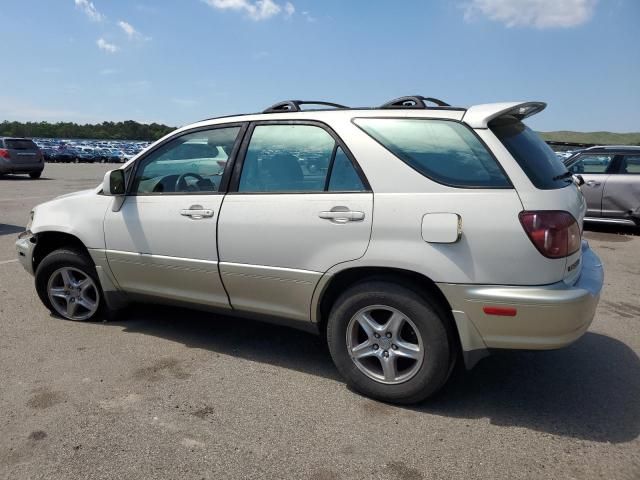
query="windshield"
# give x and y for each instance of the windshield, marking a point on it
(535, 157)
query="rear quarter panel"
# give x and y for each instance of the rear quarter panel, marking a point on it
(493, 247)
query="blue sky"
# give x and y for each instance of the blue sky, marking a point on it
(176, 62)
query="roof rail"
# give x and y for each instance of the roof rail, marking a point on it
(414, 101)
(294, 106)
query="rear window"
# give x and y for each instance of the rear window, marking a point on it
(444, 151)
(534, 156)
(19, 144)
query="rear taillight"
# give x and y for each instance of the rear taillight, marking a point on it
(4, 153)
(39, 155)
(555, 234)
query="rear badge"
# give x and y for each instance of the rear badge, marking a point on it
(573, 266)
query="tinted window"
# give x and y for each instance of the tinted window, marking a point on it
(533, 155)
(20, 144)
(193, 162)
(631, 164)
(592, 163)
(344, 177)
(287, 158)
(445, 151)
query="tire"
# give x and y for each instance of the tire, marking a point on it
(35, 175)
(422, 326)
(49, 276)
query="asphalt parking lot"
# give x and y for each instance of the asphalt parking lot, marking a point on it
(172, 393)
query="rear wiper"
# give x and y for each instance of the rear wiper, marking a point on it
(565, 175)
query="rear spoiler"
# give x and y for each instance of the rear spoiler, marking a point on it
(479, 116)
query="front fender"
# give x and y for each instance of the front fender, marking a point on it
(80, 215)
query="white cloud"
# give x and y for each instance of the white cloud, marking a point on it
(90, 10)
(108, 71)
(255, 9)
(128, 29)
(106, 46)
(131, 32)
(289, 9)
(535, 13)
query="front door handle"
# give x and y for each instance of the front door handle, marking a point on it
(196, 212)
(593, 183)
(341, 215)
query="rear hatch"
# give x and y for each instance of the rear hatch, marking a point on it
(22, 150)
(554, 188)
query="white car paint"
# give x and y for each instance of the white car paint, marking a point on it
(274, 254)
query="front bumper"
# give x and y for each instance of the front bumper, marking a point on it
(546, 317)
(25, 245)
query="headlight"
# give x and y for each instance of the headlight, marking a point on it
(31, 213)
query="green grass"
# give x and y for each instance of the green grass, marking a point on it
(598, 138)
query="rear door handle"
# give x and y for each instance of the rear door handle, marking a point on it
(196, 212)
(342, 216)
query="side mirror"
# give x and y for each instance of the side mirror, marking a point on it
(113, 183)
(579, 180)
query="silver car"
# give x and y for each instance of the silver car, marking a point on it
(20, 155)
(612, 183)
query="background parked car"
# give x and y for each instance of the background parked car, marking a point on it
(612, 182)
(63, 154)
(20, 155)
(70, 150)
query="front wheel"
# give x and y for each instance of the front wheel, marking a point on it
(67, 284)
(389, 343)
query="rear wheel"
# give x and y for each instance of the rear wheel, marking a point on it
(389, 342)
(67, 284)
(35, 175)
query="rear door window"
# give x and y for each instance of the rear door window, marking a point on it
(296, 158)
(444, 151)
(591, 163)
(631, 164)
(535, 157)
(19, 144)
(344, 177)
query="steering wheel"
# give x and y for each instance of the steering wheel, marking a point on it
(181, 184)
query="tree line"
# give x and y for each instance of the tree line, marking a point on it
(127, 130)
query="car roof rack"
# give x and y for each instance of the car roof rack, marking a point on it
(294, 106)
(414, 101)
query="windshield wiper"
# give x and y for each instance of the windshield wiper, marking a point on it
(563, 176)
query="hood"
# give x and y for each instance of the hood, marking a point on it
(78, 193)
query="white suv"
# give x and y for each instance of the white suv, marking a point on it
(411, 235)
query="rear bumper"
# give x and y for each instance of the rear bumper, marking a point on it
(9, 167)
(546, 317)
(25, 246)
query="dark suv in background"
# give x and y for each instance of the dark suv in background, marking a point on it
(612, 183)
(20, 155)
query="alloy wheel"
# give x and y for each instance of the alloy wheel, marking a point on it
(385, 344)
(73, 293)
